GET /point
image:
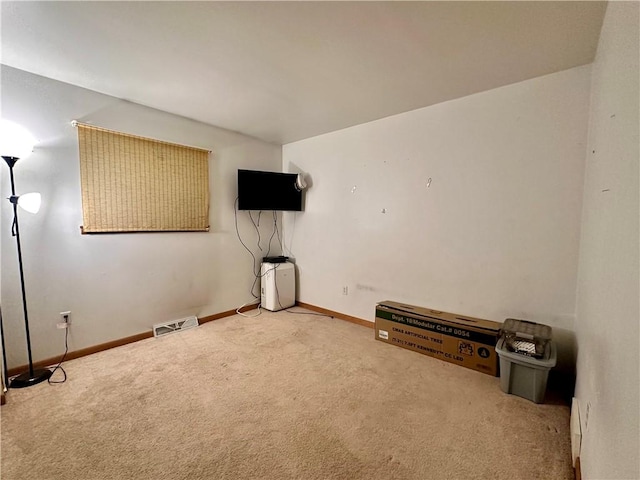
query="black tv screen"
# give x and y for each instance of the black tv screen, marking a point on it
(268, 191)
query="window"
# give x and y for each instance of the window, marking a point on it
(136, 184)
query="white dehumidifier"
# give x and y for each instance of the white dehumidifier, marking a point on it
(277, 286)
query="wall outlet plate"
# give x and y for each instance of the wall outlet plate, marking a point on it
(65, 317)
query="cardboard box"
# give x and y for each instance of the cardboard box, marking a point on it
(466, 341)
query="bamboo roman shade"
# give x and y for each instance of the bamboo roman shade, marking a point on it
(136, 184)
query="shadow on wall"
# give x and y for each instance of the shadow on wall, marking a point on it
(562, 378)
(566, 343)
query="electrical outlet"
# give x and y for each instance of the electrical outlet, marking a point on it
(65, 317)
(345, 290)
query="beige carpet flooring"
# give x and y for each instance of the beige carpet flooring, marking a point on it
(280, 396)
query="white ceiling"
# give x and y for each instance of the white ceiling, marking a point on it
(284, 71)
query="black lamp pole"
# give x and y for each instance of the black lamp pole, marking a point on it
(34, 375)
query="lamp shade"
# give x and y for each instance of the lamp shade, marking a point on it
(15, 140)
(30, 202)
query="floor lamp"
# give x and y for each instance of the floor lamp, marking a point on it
(16, 143)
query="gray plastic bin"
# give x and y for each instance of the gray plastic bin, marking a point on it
(523, 375)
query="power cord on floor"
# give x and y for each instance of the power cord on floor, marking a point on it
(244, 314)
(66, 350)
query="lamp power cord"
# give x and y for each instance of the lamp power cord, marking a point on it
(64, 356)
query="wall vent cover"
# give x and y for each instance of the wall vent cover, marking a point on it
(160, 329)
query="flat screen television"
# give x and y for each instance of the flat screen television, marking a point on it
(268, 191)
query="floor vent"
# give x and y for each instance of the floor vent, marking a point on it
(165, 328)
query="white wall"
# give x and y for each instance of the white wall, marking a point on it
(496, 233)
(115, 285)
(608, 284)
